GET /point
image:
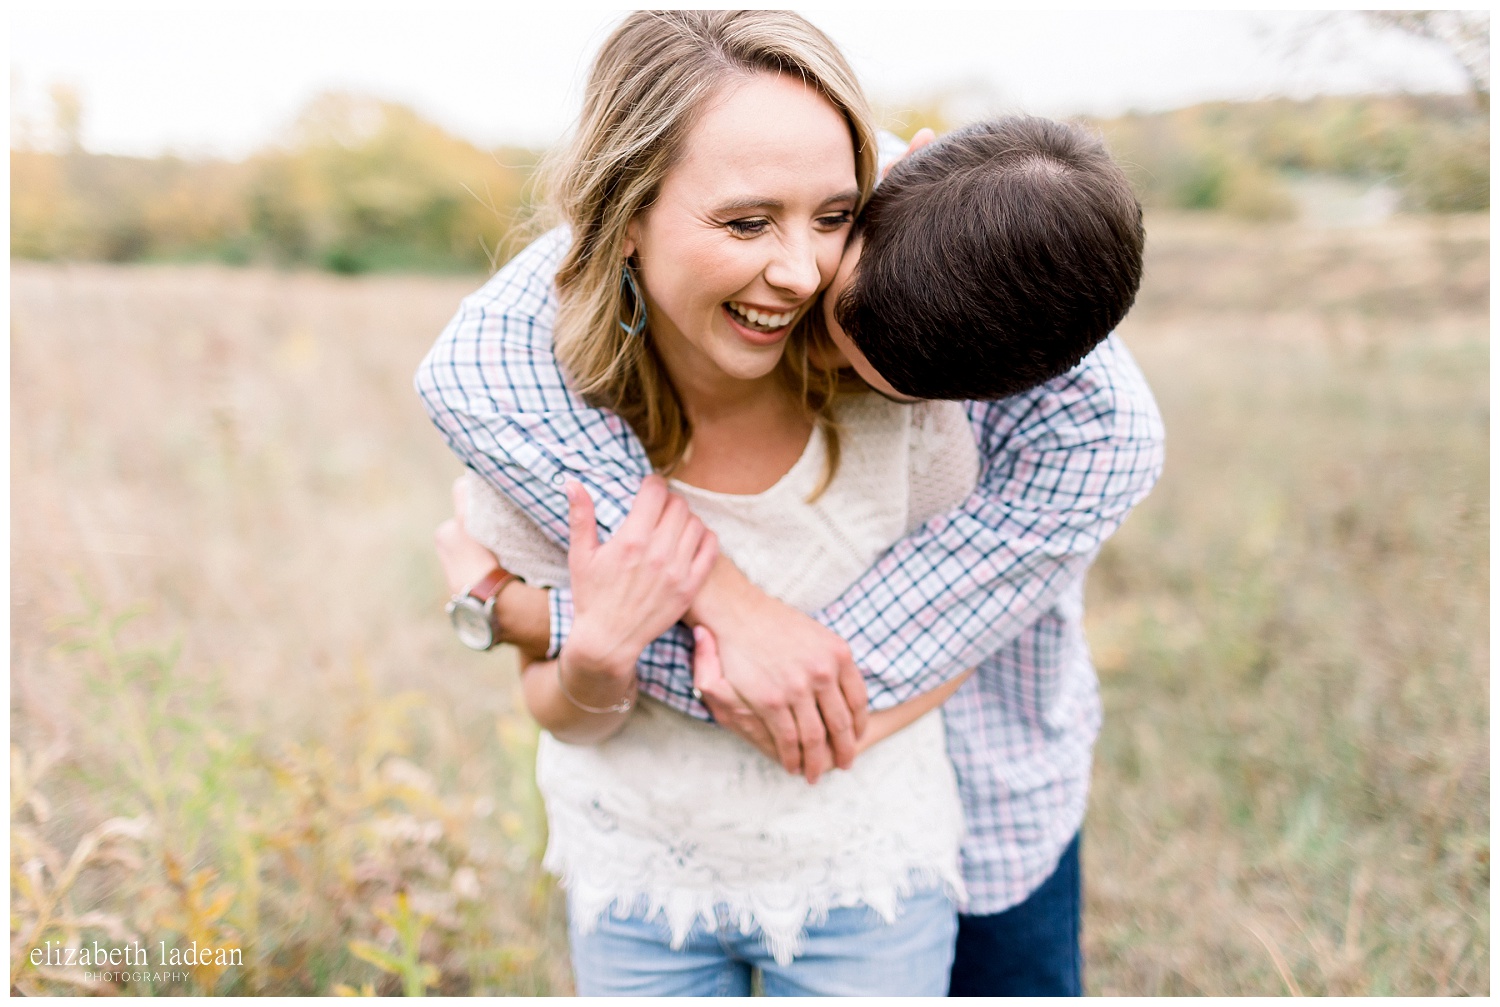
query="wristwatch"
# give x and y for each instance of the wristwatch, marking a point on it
(473, 609)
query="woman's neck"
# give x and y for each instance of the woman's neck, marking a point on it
(747, 433)
(710, 395)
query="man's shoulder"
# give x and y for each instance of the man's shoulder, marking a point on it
(1105, 398)
(1110, 377)
(495, 355)
(526, 285)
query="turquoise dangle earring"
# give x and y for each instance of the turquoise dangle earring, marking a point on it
(637, 325)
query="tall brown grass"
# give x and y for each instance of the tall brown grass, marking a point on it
(1292, 784)
(313, 770)
(239, 717)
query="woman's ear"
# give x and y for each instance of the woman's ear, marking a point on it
(632, 235)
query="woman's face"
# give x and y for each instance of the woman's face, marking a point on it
(748, 227)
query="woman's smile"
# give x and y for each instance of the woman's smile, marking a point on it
(761, 320)
(761, 326)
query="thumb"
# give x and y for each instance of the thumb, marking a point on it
(583, 531)
(707, 671)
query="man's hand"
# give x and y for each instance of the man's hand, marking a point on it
(785, 683)
(464, 560)
(729, 710)
(923, 138)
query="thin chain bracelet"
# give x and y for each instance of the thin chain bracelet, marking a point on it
(623, 706)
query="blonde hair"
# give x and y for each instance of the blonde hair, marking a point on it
(650, 80)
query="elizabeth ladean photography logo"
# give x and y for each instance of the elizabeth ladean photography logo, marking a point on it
(137, 956)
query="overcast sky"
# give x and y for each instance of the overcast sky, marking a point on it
(203, 79)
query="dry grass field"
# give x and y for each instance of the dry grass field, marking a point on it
(1292, 786)
(239, 718)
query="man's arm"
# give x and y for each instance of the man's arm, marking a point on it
(1061, 467)
(491, 383)
(1058, 478)
(493, 387)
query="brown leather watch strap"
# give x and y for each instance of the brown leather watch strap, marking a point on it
(490, 584)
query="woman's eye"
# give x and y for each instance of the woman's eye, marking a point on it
(748, 228)
(834, 220)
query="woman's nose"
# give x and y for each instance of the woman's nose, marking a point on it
(795, 269)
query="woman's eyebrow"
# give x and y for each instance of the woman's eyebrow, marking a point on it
(741, 203)
(749, 203)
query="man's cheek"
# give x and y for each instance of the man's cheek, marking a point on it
(836, 334)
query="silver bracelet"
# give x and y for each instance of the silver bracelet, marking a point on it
(623, 706)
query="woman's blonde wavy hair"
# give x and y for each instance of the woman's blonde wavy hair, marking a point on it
(648, 84)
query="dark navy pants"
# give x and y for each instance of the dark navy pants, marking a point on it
(1031, 949)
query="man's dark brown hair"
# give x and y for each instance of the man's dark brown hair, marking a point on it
(994, 259)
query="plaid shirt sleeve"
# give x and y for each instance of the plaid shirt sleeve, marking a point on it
(492, 385)
(1061, 466)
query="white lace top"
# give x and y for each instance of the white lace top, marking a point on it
(684, 816)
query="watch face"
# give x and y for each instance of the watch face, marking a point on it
(472, 624)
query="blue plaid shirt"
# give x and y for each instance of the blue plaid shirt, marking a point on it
(997, 584)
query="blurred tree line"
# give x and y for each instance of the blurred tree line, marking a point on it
(1243, 158)
(360, 184)
(356, 184)
(1238, 157)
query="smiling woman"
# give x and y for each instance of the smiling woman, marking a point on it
(745, 231)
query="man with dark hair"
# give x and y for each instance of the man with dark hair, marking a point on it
(992, 261)
(991, 267)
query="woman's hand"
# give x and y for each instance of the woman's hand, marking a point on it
(631, 589)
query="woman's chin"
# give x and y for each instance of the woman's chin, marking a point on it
(748, 355)
(752, 366)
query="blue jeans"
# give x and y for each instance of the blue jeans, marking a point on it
(1031, 949)
(853, 953)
